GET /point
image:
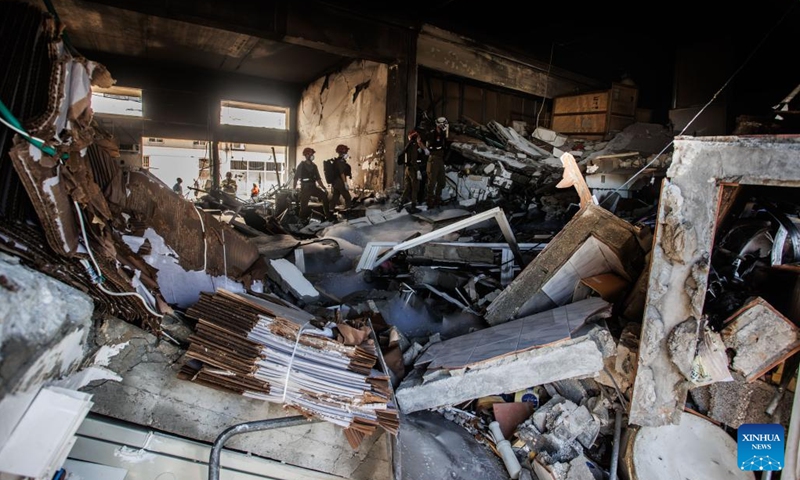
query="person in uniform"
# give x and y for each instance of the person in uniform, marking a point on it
(342, 171)
(413, 157)
(307, 174)
(437, 144)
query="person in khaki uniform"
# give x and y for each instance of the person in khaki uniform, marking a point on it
(436, 175)
(413, 156)
(308, 175)
(341, 172)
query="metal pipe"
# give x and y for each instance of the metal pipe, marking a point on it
(257, 426)
(615, 448)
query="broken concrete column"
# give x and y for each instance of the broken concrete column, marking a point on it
(687, 219)
(593, 242)
(579, 357)
(44, 325)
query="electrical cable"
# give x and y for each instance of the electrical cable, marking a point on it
(546, 82)
(713, 97)
(100, 273)
(35, 141)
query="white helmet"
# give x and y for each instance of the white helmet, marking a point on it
(442, 122)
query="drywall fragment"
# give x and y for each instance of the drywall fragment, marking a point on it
(761, 338)
(290, 278)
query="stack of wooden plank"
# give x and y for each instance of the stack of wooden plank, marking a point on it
(272, 351)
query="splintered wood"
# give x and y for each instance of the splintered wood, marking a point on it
(268, 351)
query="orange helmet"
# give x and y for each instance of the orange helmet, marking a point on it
(308, 151)
(342, 149)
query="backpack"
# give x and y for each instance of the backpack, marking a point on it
(329, 169)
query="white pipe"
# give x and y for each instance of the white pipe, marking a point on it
(506, 453)
(100, 273)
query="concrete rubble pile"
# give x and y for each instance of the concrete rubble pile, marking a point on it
(547, 331)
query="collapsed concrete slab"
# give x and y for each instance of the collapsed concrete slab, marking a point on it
(593, 242)
(578, 357)
(688, 213)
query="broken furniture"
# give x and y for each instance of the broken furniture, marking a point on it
(708, 176)
(495, 213)
(593, 242)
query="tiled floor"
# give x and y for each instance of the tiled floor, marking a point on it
(518, 335)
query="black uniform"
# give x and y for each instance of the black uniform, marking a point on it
(436, 175)
(308, 175)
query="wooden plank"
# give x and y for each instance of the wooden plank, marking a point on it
(623, 99)
(618, 122)
(592, 123)
(585, 103)
(761, 337)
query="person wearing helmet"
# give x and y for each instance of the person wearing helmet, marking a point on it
(412, 156)
(437, 144)
(308, 175)
(340, 172)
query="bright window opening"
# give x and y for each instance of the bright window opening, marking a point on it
(253, 164)
(252, 115)
(117, 101)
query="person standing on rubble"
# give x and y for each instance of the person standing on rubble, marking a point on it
(437, 144)
(178, 187)
(308, 175)
(339, 171)
(413, 157)
(229, 184)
